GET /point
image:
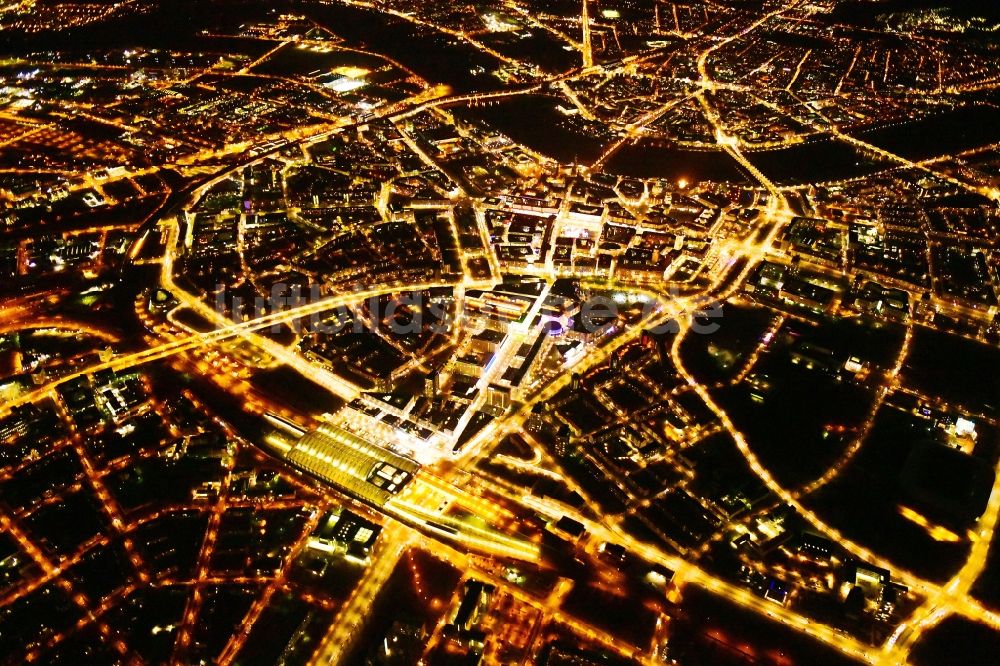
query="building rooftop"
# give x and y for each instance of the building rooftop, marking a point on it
(365, 470)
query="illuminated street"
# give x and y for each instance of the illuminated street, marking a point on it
(588, 332)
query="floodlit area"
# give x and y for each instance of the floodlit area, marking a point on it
(550, 332)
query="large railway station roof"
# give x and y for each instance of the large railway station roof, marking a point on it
(361, 468)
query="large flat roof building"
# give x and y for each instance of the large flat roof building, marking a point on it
(365, 470)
